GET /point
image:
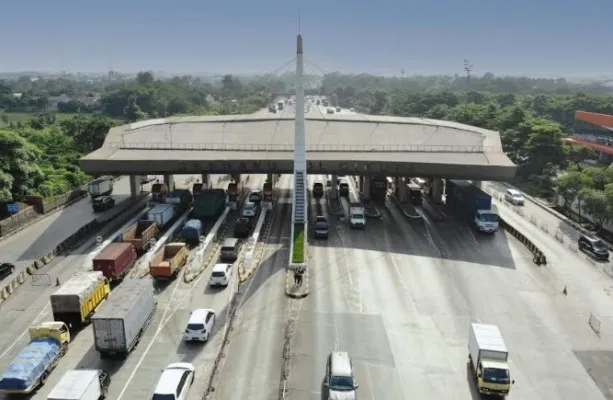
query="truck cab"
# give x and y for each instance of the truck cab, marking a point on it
(488, 356)
(487, 220)
(356, 217)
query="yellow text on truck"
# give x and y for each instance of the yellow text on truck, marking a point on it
(78, 298)
(488, 357)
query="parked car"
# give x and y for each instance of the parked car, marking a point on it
(6, 269)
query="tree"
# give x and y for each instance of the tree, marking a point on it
(570, 186)
(18, 159)
(596, 204)
(145, 78)
(133, 112)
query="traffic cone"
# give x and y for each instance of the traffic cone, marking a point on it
(57, 281)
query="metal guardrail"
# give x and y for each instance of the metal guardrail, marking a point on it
(396, 148)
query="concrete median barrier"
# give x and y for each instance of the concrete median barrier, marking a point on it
(539, 258)
(295, 291)
(407, 209)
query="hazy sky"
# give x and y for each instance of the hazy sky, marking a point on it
(533, 37)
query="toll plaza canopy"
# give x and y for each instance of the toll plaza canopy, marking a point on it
(336, 144)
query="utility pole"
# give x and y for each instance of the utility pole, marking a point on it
(468, 67)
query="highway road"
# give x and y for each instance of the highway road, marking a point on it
(400, 295)
(30, 304)
(252, 366)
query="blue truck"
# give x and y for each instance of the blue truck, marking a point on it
(472, 204)
(33, 364)
(191, 231)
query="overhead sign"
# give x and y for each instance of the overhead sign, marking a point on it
(13, 208)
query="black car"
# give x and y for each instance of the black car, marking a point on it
(6, 269)
(255, 196)
(318, 189)
(242, 228)
(103, 203)
(593, 246)
(321, 227)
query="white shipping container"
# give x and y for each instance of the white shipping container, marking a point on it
(80, 384)
(119, 322)
(69, 297)
(486, 342)
(162, 213)
(100, 187)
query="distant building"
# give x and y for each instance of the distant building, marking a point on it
(595, 131)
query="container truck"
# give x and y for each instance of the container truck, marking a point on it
(100, 187)
(115, 260)
(197, 188)
(488, 357)
(267, 191)
(159, 192)
(472, 204)
(161, 214)
(166, 263)
(182, 198)
(378, 188)
(233, 192)
(191, 231)
(414, 193)
(140, 234)
(356, 217)
(209, 204)
(81, 384)
(77, 299)
(122, 320)
(33, 364)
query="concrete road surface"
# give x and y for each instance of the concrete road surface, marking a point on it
(252, 366)
(399, 297)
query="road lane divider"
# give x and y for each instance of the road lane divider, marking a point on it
(292, 289)
(539, 258)
(250, 263)
(410, 213)
(72, 242)
(207, 249)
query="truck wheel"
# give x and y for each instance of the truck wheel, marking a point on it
(43, 378)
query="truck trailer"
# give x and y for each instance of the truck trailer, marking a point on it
(192, 230)
(378, 188)
(33, 364)
(140, 234)
(115, 260)
(76, 300)
(100, 187)
(168, 261)
(488, 356)
(161, 214)
(472, 204)
(121, 321)
(209, 204)
(81, 384)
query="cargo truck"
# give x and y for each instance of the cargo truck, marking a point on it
(488, 357)
(122, 320)
(197, 188)
(161, 214)
(267, 191)
(75, 302)
(356, 217)
(233, 193)
(166, 263)
(33, 364)
(159, 192)
(191, 231)
(378, 188)
(181, 199)
(100, 187)
(472, 204)
(115, 260)
(414, 193)
(209, 204)
(81, 384)
(140, 234)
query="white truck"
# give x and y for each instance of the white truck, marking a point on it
(488, 356)
(100, 187)
(356, 217)
(121, 321)
(81, 384)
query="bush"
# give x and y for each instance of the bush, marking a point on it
(298, 248)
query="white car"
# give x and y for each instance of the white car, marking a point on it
(175, 382)
(255, 196)
(200, 325)
(250, 209)
(220, 276)
(514, 197)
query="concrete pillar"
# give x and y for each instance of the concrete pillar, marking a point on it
(135, 185)
(236, 177)
(396, 185)
(437, 190)
(402, 189)
(365, 180)
(206, 180)
(334, 187)
(478, 184)
(169, 180)
(362, 187)
(269, 178)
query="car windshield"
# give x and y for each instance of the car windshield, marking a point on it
(489, 217)
(195, 327)
(496, 375)
(321, 225)
(342, 383)
(357, 216)
(598, 245)
(163, 397)
(249, 206)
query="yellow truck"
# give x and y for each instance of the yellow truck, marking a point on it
(33, 364)
(77, 299)
(488, 356)
(168, 261)
(140, 233)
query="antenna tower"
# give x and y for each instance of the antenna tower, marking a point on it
(468, 67)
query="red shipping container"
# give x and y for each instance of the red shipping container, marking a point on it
(115, 260)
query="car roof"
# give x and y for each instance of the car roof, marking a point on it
(590, 238)
(199, 314)
(513, 191)
(231, 242)
(221, 267)
(168, 382)
(256, 190)
(340, 363)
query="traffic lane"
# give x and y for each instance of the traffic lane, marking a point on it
(253, 362)
(534, 213)
(538, 324)
(350, 287)
(44, 235)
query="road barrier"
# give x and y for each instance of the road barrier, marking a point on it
(249, 261)
(294, 291)
(70, 243)
(399, 204)
(539, 258)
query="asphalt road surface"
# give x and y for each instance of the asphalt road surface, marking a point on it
(252, 365)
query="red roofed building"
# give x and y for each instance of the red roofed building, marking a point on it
(595, 131)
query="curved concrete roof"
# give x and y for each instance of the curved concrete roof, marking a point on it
(332, 139)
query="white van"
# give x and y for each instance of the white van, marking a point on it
(200, 325)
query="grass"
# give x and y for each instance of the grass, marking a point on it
(298, 248)
(22, 116)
